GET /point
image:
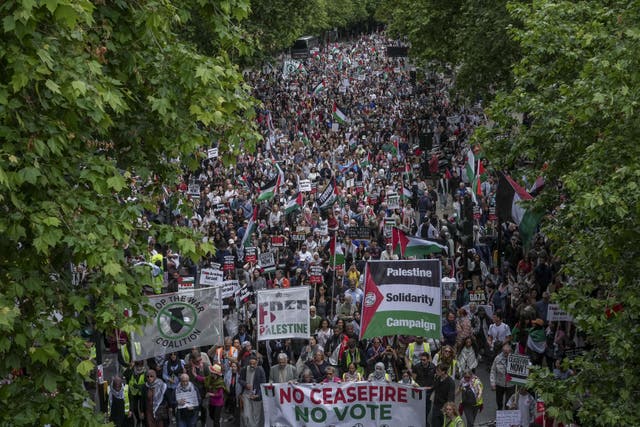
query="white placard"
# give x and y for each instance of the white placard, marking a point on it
(304, 185)
(229, 288)
(212, 153)
(334, 127)
(556, 314)
(283, 313)
(508, 418)
(211, 277)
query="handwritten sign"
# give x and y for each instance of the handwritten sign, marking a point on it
(518, 368)
(304, 186)
(556, 314)
(508, 418)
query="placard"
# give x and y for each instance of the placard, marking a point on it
(212, 153)
(210, 276)
(229, 288)
(229, 263)
(478, 296)
(266, 260)
(518, 368)
(186, 285)
(556, 314)
(250, 254)
(283, 313)
(508, 418)
(277, 241)
(359, 232)
(335, 127)
(315, 274)
(299, 236)
(449, 287)
(304, 185)
(393, 201)
(389, 223)
(351, 182)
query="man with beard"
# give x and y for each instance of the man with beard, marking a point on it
(251, 377)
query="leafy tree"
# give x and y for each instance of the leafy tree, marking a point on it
(95, 95)
(578, 84)
(471, 37)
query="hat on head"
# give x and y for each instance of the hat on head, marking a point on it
(215, 369)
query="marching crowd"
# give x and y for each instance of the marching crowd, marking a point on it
(392, 148)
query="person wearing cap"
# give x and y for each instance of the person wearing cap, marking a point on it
(252, 377)
(215, 391)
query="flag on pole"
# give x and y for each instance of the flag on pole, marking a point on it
(339, 115)
(328, 195)
(407, 193)
(293, 204)
(268, 191)
(252, 226)
(337, 255)
(470, 167)
(508, 197)
(412, 246)
(320, 87)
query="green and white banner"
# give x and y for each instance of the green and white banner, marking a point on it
(180, 322)
(402, 298)
(343, 405)
(283, 313)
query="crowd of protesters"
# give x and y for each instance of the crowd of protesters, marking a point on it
(396, 132)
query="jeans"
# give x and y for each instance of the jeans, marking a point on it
(187, 421)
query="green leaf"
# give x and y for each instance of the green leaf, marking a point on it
(85, 367)
(49, 381)
(29, 174)
(112, 269)
(120, 289)
(53, 86)
(116, 182)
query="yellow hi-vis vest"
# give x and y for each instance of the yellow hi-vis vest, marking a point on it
(412, 350)
(126, 399)
(135, 382)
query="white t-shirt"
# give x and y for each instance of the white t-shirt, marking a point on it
(499, 333)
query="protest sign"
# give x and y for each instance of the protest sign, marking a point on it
(186, 399)
(212, 153)
(478, 296)
(359, 233)
(299, 236)
(267, 262)
(229, 263)
(556, 314)
(449, 287)
(283, 313)
(277, 241)
(335, 127)
(210, 276)
(402, 298)
(343, 404)
(518, 368)
(351, 182)
(180, 322)
(393, 201)
(250, 254)
(304, 185)
(229, 288)
(508, 418)
(389, 223)
(186, 285)
(315, 274)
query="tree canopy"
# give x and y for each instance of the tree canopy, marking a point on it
(578, 84)
(98, 101)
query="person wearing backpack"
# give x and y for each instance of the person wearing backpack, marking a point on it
(470, 390)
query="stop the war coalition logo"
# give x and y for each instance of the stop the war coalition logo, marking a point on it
(181, 321)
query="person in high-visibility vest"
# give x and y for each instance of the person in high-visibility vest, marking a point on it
(451, 416)
(119, 405)
(414, 350)
(135, 379)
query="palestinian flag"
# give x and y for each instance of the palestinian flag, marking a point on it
(337, 255)
(251, 228)
(470, 167)
(406, 246)
(338, 115)
(407, 193)
(293, 204)
(508, 197)
(268, 191)
(481, 176)
(365, 162)
(320, 87)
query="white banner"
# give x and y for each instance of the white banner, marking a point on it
(211, 277)
(283, 313)
(180, 322)
(556, 314)
(343, 405)
(508, 418)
